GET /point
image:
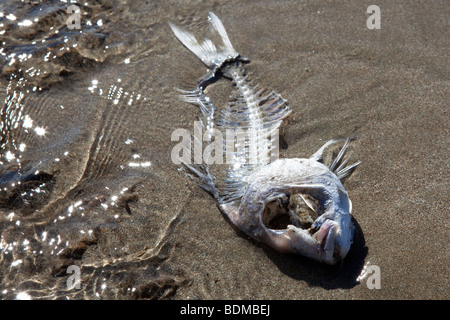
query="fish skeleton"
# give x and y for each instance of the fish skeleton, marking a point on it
(293, 205)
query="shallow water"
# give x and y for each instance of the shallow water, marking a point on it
(86, 171)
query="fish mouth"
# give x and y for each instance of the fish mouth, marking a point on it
(299, 212)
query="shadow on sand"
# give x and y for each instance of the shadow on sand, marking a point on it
(342, 275)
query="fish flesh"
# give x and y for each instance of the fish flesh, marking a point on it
(293, 205)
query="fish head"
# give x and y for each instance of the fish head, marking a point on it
(311, 218)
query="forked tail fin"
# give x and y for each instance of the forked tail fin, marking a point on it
(211, 55)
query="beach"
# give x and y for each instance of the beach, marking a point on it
(87, 133)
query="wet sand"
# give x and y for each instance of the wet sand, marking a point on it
(161, 236)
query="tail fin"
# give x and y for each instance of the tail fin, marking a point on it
(207, 51)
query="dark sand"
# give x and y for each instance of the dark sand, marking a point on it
(388, 87)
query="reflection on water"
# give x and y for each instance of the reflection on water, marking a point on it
(72, 164)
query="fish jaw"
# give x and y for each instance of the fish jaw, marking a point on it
(329, 244)
(328, 239)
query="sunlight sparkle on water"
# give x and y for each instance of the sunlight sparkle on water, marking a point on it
(11, 17)
(16, 263)
(9, 156)
(27, 122)
(23, 296)
(140, 164)
(40, 131)
(25, 23)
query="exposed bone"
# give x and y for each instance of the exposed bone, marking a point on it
(300, 210)
(303, 210)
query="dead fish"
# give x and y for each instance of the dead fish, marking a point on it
(293, 205)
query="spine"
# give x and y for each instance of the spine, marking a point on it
(257, 136)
